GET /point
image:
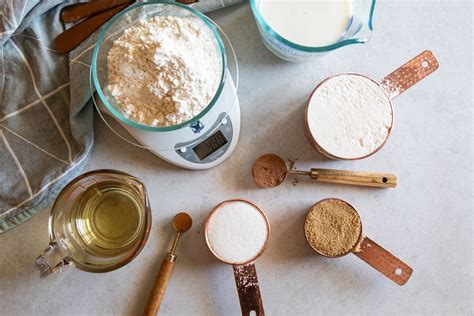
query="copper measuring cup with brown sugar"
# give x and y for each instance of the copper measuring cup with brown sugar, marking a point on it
(392, 85)
(356, 242)
(245, 272)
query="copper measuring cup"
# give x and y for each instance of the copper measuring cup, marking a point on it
(393, 85)
(245, 273)
(370, 252)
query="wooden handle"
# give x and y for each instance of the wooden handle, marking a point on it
(159, 288)
(369, 179)
(409, 73)
(248, 289)
(71, 38)
(383, 261)
(83, 10)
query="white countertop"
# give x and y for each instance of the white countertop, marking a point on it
(426, 220)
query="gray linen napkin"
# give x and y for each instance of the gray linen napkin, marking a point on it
(46, 114)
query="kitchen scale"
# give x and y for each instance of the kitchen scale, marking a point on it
(201, 143)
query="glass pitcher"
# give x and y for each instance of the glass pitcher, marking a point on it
(99, 222)
(359, 31)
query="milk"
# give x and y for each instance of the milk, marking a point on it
(308, 22)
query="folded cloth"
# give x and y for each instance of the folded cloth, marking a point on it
(46, 113)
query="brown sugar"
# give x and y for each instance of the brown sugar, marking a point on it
(332, 227)
(269, 171)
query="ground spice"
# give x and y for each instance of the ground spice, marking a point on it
(269, 171)
(332, 227)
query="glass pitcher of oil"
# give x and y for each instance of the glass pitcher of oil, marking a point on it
(99, 222)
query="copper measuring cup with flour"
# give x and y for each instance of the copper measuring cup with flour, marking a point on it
(318, 110)
(333, 240)
(223, 224)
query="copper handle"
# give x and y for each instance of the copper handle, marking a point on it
(383, 261)
(410, 73)
(248, 289)
(369, 179)
(82, 10)
(71, 38)
(159, 288)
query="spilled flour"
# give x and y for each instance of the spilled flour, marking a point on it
(164, 70)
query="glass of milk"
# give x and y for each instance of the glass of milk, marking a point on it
(299, 30)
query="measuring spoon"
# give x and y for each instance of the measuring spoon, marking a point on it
(270, 170)
(182, 222)
(245, 273)
(391, 86)
(364, 248)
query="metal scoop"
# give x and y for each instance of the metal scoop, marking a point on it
(270, 171)
(182, 222)
(245, 274)
(369, 251)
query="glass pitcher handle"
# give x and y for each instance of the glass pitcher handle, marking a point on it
(51, 260)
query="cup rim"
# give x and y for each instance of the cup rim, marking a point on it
(133, 123)
(359, 239)
(323, 151)
(312, 49)
(206, 227)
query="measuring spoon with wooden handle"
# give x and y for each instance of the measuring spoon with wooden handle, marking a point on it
(182, 222)
(270, 171)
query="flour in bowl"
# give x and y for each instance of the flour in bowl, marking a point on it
(164, 70)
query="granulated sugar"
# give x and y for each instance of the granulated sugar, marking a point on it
(237, 232)
(349, 116)
(332, 227)
(164, 70)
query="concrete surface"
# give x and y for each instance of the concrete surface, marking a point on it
(426, 220)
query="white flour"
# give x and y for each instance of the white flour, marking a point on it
(164, 70)
(237, 232)
(349, 116)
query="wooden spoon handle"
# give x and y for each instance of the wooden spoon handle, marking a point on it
(78, 11)
(383, 261)
(248, 289)
(369, 179)
(159, 288)
(71, 38)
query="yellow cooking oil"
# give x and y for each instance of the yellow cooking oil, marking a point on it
(108, 219)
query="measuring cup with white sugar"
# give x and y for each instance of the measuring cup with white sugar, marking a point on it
(237, 233)
(350, 116)
(333, 228)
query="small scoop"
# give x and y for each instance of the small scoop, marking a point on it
(182, 222)
(245, 273)
(270, 171)
(333, 228)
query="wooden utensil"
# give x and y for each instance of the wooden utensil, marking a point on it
(71, 38)
(270, 171)
(83, 10)
(182, 222)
